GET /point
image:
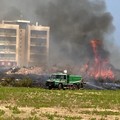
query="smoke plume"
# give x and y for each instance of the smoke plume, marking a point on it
(73, 23)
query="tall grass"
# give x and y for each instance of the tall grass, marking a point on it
(36, 97)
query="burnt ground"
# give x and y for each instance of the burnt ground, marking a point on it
(40, 75)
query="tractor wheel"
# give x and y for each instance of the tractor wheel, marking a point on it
(50, 87)
(81, 85)
(78, 86)
(60, 86)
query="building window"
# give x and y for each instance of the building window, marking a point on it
(3, 63)
(9, 63)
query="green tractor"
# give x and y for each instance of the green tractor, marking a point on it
(64, 81)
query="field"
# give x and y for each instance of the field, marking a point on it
(43, 104)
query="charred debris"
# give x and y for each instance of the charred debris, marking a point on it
(37, 76)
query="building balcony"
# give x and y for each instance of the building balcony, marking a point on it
(7, 59)
(2, 35)
(8, 44)
(38, 36)
(7, 52)
(37, 54)
(37, 45)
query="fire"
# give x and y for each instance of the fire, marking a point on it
(100, 67)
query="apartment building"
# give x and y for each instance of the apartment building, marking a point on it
(23, 44)
(38, 45)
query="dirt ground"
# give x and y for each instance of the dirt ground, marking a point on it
(58, 113)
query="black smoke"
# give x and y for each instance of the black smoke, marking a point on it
(73, 24)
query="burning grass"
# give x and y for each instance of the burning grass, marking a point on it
(49, 104)
(99, 67)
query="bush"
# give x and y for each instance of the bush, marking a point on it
(25, 82)
(8, 81)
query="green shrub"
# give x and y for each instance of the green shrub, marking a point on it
(2, 112)
(8, 81)
(16, 110)
(25, 82)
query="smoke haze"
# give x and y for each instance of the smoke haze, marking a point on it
(73, 23)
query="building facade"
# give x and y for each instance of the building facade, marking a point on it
(23, 44)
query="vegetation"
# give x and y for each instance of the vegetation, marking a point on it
(2, 112)
(74, 103)
(25, 82)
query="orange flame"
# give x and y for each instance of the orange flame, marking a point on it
(101, 68)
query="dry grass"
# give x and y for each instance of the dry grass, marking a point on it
(42, 104)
